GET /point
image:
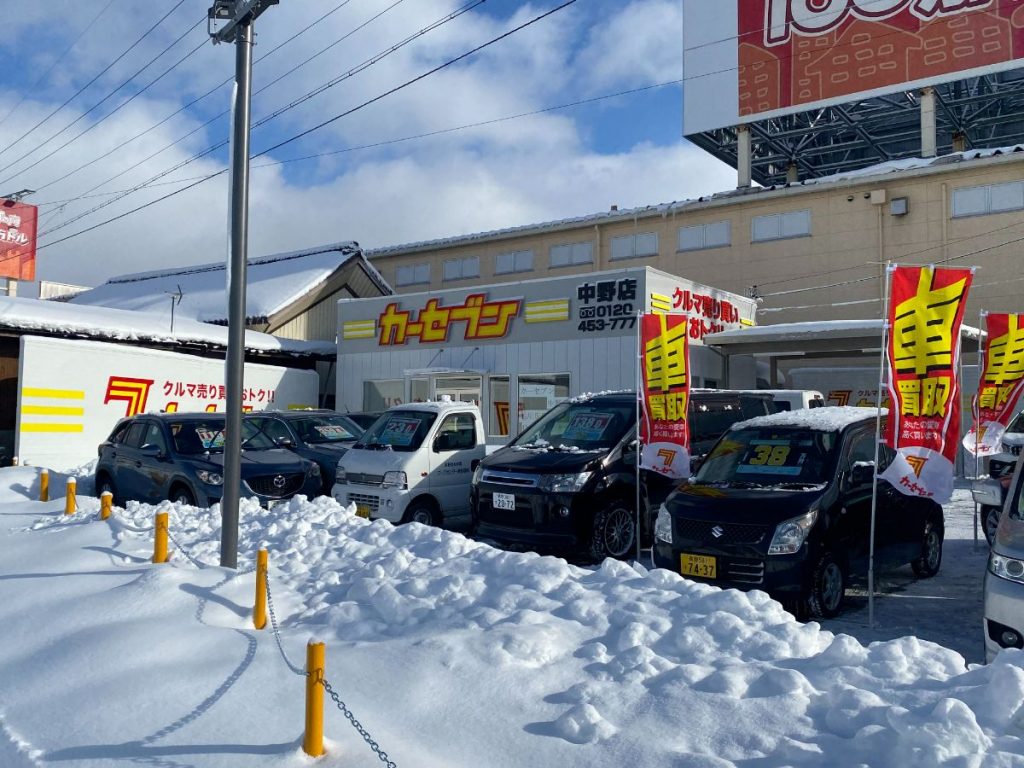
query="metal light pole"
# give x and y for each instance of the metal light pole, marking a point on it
(238, 17)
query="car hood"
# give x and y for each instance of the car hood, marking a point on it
(330, 449)
(539, 461)
(764, 506)
(273, 460)
(1010, 537)
(375, 462)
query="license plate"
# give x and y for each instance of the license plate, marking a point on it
(363, 510)
(704, 566)
(504, 501)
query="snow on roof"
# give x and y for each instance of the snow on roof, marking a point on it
(817, 328)
(272, 283)
(104, 323)
(831, 418)
(665, 209)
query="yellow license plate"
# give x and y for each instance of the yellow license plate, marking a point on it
(363, 510)
(704, 566)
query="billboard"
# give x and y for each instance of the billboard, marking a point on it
(61, 419)
(784, 56)
(17, 240)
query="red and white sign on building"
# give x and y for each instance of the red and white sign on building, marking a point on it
(1000, 383)
(664, 395)
(926, 311)
(17, 240)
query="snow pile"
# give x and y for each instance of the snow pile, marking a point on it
(456, 653)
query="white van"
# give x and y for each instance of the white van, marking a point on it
(795, 399)
(414, 464)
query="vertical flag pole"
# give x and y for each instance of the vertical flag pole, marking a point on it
(639, 444)
(878, 440)
(976, 413)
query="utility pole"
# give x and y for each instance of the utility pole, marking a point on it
(232, 21)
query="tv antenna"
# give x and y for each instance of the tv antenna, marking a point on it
(175, 301)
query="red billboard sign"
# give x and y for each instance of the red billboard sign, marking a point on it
(664, 395)
(1000, 384)
(797, 53)
(17, 240)
(926, 311)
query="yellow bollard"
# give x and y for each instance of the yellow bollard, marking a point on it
(69, 497)
(106, 501)
(14, 461)
(44, 485)
(160, 539)
(313, 738)
(259, 611)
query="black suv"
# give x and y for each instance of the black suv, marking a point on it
(782, 503)
(180, 456)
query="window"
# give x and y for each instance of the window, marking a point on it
(456, 433)
(154, 436)
(412, 274)
(635, 246)
(461, 269)
(703, 236)
(572, 254)
(380, 395)
(538, 393)
(500, 410)
(991, 198)
(779, 226)
(515, 261)
(273, 429)
(135, 434)
(419, 390)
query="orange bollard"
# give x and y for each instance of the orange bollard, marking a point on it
(106, 502)
(259, 611)
(313, 738)
(160, 539)
(69, 497)
(44, 485)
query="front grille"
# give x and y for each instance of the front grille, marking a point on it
(276, 486)
(744, 570)
(731, 533)
(364, 500)
(361, 478)
(516, 479)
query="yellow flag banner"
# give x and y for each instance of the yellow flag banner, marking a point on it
(926, 311)
(1000, 383)
(664, 396)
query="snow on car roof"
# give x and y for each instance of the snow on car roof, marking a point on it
(828, 419)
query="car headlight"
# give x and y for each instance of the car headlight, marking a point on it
(1006, 567)
(478, 474)
(663, 525)
(564, 483)
(790, 535)
(315, 470)
(395, 479)
(339, 475)
(210, 478)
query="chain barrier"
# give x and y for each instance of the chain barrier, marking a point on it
(184, 551)
(373, 745)
(277, 632)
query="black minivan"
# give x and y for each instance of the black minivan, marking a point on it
(782, 503)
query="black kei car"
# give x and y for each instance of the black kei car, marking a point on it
(318, 435)
(782, 503)
(180, 456)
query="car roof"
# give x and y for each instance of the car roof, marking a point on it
(296, 413)
(433, 406)
(831, 418)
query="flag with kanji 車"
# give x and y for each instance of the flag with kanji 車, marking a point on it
(926, 310)
(664, 395)
(1000, 383)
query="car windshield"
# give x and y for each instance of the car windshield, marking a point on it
(320, 429)
(1017, 425)
(770, 456)
(398, 431)
(195, 437)
(584, 426)
(710, 420)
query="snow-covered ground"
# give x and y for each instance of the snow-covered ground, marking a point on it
(453, 653)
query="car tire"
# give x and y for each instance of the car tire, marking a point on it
(182, 494)
(990, 521)
(613, 533)
(828, 588)
(927, 565)
(104, 483)
(421, 512)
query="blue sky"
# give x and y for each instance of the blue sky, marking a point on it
(369, 180)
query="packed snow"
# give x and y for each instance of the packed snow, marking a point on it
(448, 651)
(833, 418)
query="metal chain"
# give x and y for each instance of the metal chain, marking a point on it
(380, 753)
(277, 632)
(184, 551)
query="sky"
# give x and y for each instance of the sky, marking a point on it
(486, 142)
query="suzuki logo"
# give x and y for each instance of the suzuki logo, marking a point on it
(718, 532)
(280, 481)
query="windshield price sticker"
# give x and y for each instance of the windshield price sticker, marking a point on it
(211, 438)
(771, 457)
(588, 427)
(332, 432)
(399, 431)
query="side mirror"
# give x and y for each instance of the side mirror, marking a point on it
(153, 450)
(862, 472)
(285, 442)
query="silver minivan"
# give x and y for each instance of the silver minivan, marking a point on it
(1004, 578)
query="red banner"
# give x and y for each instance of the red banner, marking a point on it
(17, 240)
(926, 310)
(665, 395)
(1000, 383)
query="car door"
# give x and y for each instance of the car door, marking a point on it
(154, 465)
(453, 452)
(855, 492)
(128, 463)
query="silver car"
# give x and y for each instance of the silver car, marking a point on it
(1004, 579)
